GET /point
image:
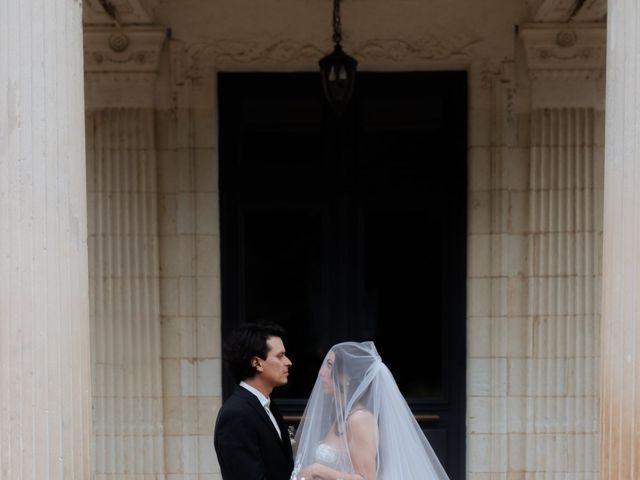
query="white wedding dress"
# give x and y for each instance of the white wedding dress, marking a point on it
(329, 456)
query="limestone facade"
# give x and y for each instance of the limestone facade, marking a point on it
(536, 123)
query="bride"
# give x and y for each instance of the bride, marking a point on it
(357, 425)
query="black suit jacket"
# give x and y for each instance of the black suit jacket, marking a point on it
(246, 442)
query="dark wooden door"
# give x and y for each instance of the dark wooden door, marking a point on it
(352, 229)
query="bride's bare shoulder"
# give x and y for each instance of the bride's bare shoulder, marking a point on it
(361, 428)
(360, 417)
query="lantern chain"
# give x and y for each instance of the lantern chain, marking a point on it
(337, 23)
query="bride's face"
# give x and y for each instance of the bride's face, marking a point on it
(325, 372)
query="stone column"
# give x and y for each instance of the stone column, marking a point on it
(557, 372)
(45, 395)
(620, 388)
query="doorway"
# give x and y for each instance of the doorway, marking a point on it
(352, 228)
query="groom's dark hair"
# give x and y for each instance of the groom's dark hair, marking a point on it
(245, 342)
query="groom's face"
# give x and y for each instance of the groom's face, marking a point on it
(274, 369)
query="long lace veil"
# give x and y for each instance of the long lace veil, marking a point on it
(352, 378)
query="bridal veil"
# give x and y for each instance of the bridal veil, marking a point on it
(354, 378)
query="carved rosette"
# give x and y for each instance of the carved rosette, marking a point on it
(565, 50)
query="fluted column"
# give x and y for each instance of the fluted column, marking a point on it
(45, 396)
(564, 275)
(125, 300)
(557, 371)
(620, 389)
(123, 251)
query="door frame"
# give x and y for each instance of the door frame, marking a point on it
(457, 353)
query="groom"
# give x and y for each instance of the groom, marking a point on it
(251, 438)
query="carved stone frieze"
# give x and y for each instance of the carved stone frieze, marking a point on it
(203, 55)
(566, 49)
(423, 49)
(225, 53)
(129, 49)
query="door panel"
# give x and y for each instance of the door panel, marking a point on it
(352, 229)
(284, 276)
(402, 286)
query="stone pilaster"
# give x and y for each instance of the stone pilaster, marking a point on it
(557, 372)
(45, 380)
(121, 70)
(620, 387)
(190, 278)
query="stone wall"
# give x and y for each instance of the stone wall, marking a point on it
(535, 165)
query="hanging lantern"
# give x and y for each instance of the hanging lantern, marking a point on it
(338, 69)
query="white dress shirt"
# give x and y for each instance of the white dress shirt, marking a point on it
(265, 402)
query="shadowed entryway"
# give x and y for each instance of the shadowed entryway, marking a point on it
(352, 228)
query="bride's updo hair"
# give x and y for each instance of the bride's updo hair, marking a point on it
(350, 366)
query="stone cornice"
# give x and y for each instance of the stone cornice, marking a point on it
(126, 11)
(228, 53)
(591, 11)
(126, 49)
(562, 11)
(564, 49)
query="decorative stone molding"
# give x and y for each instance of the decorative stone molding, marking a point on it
(205, 55)
(566, 48)
(127, 12)
(121, 65)
(129, 49)
(406, 51)
(116, 89)
(236, 54)
(566, 64)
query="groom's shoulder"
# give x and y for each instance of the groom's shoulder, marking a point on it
(232, 411)
(237, 401)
